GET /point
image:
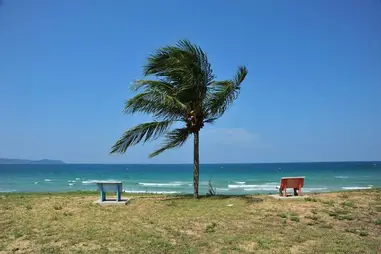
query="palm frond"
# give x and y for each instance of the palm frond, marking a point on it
(140, 133)
(223, 93)
(175, 138)
(156, 101)
(160, 85)
(210, 120)
(186, 65)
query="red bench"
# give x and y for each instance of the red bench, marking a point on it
(291, 182)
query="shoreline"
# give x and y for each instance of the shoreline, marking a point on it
(88, 193)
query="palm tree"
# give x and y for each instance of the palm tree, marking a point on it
(184, 90)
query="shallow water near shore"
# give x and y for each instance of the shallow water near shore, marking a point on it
(171, 179)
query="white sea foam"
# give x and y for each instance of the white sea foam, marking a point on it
(222, 189)
(94, 181)
(71, 184)
(341, 177)
(77, 179)
(47, 180)
(71, 181)
(251, 186)
(151, 192)
(5, 190)
(35, 182)
(89, 181)
(240, 182)
(313, 189)
(170, 184)
(356, 188)
(260, 189)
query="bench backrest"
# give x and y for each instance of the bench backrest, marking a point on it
(291, 182)
(110, 187)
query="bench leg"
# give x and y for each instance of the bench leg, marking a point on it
(285, 192)
(118, 198)
(300, 191)
(103, 196)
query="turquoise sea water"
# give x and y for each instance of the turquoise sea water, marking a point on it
(226, 178)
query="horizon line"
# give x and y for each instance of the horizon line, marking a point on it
(339, 161)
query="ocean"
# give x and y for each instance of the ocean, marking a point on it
(171, 179)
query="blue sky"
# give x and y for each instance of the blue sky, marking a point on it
(313, 92)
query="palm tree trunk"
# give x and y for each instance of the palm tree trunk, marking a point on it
(196, 164)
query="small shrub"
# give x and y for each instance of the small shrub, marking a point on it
(314, 211)
(294, 218)
(312, 217)
(378, 222)
(28, 207)
(350, 230)
(263, 244)
(309, 199)
(211, 228)
(363, 233)
(67, 213)
(171, 203)
(282, 215)
(328, 202)
(329, 226)
(337, 212)
(378, 208)
(57, 207)
(344, 217)
(333, 214)
(348, 204)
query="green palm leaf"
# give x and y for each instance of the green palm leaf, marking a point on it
(175, 138)
(223, 93)
(142, 132)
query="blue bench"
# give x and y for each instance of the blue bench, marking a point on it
(110, 186)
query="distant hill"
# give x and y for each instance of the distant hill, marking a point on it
(22, 161)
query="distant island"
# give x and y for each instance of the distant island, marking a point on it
(23, 161)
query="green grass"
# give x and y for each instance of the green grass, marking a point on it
(348, 204)
(71, 223)
(312, 217)
(295, 218)
(328, 202)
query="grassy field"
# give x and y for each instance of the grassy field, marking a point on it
(347, 222)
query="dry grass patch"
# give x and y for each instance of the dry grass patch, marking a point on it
(67, 223)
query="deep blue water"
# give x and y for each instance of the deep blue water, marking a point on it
(227, 178)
